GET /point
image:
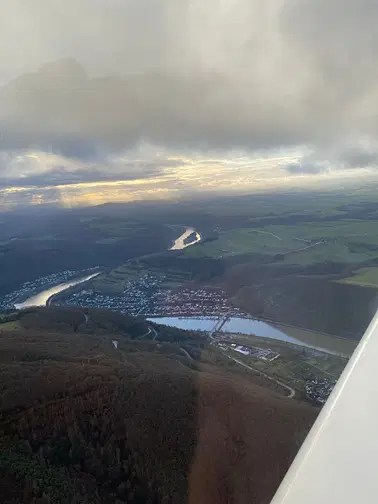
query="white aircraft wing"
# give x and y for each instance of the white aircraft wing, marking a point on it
(338, 461)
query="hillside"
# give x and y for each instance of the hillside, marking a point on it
(82, 421)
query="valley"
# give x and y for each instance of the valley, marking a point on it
(188, 252)
(310, 272)
(303, 278)
(246, 305)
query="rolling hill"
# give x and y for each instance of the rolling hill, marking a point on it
(85, 421)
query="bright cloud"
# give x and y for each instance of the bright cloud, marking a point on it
(184, 96)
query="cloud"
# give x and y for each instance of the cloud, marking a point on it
(179, 177)
(40, 169)
(187, 76)
(359, 158)
(352, 154)
(306, 167)
(61, 176)
(247, 73)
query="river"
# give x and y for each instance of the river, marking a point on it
(328, 344)
(42, 297)
(317, 341)
(180, 244)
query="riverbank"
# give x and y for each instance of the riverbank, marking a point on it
(335, 344)
(260, 329)
(44, 297)
(180, 243)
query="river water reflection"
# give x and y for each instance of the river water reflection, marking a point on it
(260, 329)
(42, 298)
(180, 244)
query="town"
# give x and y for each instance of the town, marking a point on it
(151, 295)
(148, 296)
(32, 287)
(318, 390)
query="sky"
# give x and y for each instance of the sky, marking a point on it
(118, 100)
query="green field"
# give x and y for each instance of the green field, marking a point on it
(116, 281)
(349, 241)
(122, 226)
(356, 229)
(9, 326)
(364, 276)
(243, 241)
(340, 346)
(337, 252)
(294, 364)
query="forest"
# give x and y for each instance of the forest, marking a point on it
(84, 422)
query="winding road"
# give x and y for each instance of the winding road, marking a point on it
(293, 238)
(187, 354)
(281, 384)
(303, 248)
(150, 330)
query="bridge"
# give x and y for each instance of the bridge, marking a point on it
(220, 323)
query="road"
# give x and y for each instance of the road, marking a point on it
(303, 248)
(150, 330)
(187, 354)
(220, 323)
(146, 334)
(267, 232)
(281, 384)
(156, 334)
(301, 239)
(294, 238)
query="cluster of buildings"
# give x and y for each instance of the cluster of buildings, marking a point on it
(264, 354)
(191, 302)
(139, 297)
(148, 296)
(319, 389)
(29, 288)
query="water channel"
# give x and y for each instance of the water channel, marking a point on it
(41, 298)
(317, 341)
(180, 244)
(320, 342)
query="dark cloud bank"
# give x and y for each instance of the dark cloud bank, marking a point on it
(187, 75)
